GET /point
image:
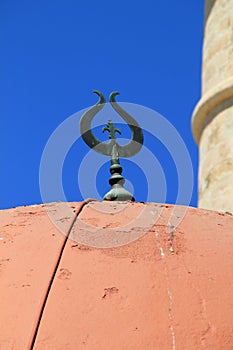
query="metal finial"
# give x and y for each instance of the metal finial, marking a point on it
(112, 148)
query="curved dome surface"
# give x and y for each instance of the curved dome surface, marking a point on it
(120, 276)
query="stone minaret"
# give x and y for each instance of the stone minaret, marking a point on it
(212, 121)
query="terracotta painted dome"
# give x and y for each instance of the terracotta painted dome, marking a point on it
(111, 275)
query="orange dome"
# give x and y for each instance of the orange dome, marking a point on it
(130, 276)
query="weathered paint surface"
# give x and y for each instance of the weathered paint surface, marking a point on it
(169, 287)
(30, 245)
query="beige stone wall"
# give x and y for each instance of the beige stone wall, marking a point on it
(213, 116)
(216, 165)
(218, 43)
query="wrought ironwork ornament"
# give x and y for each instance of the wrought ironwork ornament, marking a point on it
(112, 148)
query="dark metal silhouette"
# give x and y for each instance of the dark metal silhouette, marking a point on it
(112, 148)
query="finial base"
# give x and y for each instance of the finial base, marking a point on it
(117, 192)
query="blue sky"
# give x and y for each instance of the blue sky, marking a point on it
(54, 53)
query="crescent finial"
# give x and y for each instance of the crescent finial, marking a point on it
(125, 151)
(112, 148)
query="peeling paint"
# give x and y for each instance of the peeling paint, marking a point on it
(168, 287)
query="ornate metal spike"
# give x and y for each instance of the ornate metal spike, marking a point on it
(112, 130)
(112, 148)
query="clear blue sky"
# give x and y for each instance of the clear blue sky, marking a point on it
(54, 53)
